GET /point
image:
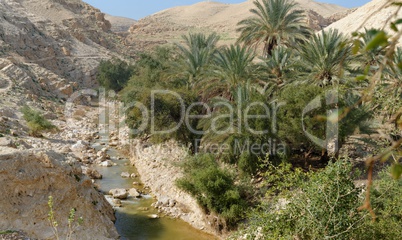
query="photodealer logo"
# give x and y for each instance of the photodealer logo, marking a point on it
(237, 118)
(332, 130)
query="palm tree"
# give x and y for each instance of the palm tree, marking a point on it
(228, 126)
(390, 91)
(369, 60)
(325, 55)
(233, 68)
(280, 69)
(274, 22)
(194, 57)
(373, 57)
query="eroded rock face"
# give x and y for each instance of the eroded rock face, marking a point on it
(52, 47)
(29, 177)
(160, 172)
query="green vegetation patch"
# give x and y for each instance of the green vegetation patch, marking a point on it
(36, 121)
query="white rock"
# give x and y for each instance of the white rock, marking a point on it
(106, 163)
(79, 146)
(70, 135)
(134, 193)
(125, 175)
(100, 154)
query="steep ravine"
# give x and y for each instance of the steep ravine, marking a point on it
(179, 215)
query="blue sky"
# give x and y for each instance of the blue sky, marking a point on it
(137, 9)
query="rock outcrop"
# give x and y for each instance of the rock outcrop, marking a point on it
(159, 170)
(51, 48)
(29, 177)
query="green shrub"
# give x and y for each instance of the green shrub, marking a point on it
(36, 121)
(248, 163)
(245, 140)
(323, 207)
(72, 223)
(213, 187)
(114, 74)
(386, 201)
(290, 129)
(327, 206)
(281, 179)
(298, 97)
(167, 115)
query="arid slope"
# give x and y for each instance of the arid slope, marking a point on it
(371, 15)
(168, 25)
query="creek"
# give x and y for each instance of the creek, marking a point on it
(133, 221)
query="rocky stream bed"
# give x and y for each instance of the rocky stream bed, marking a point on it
(138, 185)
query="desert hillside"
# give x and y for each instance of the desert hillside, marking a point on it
(120, 24)
(170, 24)
(52, 48)
(368, 16)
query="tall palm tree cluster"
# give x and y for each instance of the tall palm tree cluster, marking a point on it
(275, 55)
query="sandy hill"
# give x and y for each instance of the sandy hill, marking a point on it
(52, 47)
(168, 25)
(120, 24)
(371, 15)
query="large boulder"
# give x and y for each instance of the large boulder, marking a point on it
(91, 173)
(30, 177)
(119, 193)
(6, 142)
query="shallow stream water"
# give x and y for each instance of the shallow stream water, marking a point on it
(134, 223)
